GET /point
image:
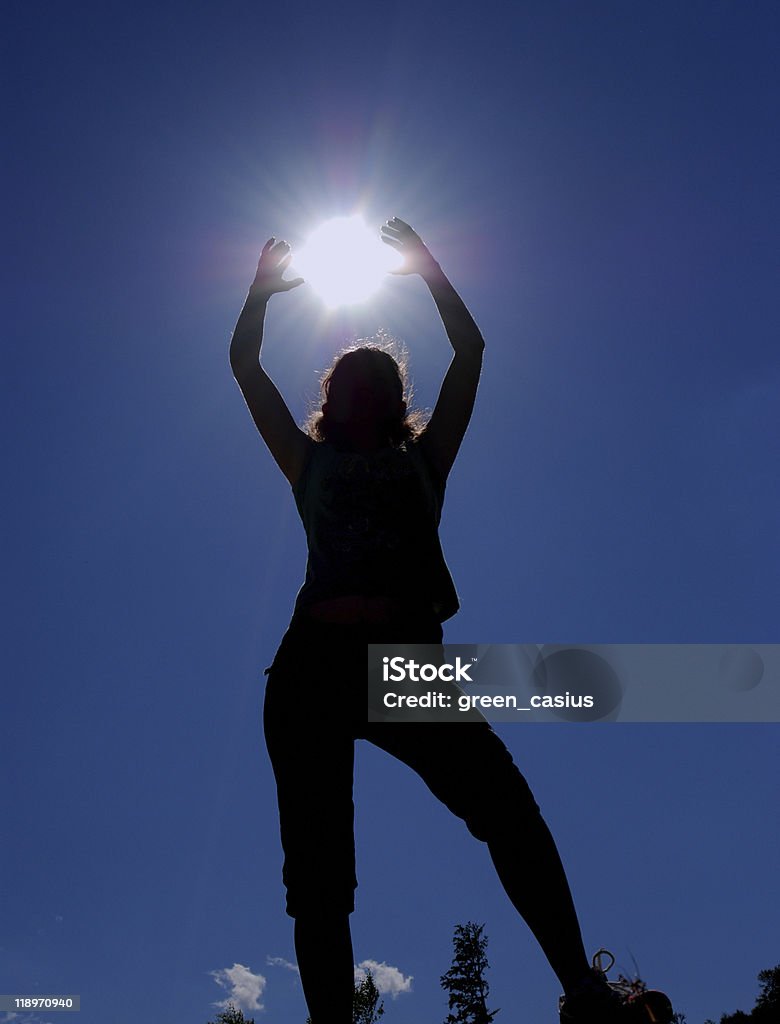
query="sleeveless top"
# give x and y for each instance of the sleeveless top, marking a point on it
(371, 523)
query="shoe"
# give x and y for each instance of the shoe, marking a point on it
(594, 1001)
(598, 1001)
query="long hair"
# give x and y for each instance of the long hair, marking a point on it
(387, 356)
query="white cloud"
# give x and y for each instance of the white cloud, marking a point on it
(388, 980)
(244, 987)
(279, 961)
(9, 1015)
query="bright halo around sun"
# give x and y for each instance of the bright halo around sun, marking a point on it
(344, 261)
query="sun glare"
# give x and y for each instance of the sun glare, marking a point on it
(344, 261)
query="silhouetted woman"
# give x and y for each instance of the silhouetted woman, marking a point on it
(368, 483)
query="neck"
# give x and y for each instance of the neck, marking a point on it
(363, 437)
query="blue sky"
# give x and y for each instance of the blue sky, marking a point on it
(599, 182)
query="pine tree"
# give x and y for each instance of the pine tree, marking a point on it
(364, 1007)
(767, 1008)
(465, 980)
(768, 1001)
(232, 1016)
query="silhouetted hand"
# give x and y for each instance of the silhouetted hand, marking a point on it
(273, 263)
(417, 256)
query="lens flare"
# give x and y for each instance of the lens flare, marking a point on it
(344, 262)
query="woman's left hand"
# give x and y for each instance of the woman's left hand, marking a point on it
(417, 256)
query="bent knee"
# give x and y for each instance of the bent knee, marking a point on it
(506, 805)
(307, 904)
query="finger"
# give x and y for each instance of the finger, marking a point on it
(293, 284)
(394, 242)
(269, 243)
(405, 231)
(284, 261)
(399, 223)
(391, 231)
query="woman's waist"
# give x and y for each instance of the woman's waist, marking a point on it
(336, 630)
(349, 609)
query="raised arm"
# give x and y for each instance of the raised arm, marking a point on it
(451, 414)
(287, 443)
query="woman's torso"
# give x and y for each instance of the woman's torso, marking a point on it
(371, 524)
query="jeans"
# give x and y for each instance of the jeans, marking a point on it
(316, 707)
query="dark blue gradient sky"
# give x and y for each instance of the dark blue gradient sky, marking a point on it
(599, 180)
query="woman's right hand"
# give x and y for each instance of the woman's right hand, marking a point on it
(274, 260)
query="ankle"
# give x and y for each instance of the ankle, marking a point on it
(591, 983)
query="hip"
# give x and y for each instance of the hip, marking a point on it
(330, 634)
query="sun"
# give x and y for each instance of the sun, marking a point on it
(343, 261)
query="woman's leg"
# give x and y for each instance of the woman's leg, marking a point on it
(470, 770)
(323, 946)
(530, 869)
(312, 754)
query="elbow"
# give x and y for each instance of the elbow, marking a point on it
(239, 373)
(473, 341)
(470, 346)
(243, 367)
